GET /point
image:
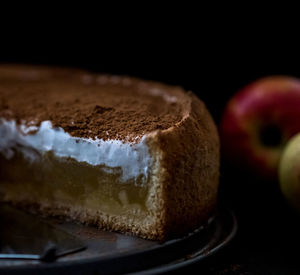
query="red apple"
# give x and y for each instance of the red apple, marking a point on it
(257, 123)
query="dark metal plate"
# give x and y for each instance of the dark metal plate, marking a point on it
(109, 252)
(24, 236)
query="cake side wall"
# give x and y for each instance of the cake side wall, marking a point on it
(155, 202)
(190, 171)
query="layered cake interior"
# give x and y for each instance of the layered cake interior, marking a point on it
(117, 152)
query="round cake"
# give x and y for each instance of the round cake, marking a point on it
(121, 153)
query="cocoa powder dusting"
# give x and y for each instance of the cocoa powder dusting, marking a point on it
(87, 105)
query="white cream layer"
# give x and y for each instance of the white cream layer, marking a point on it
(133, 158)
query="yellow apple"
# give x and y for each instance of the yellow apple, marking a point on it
(289, 172)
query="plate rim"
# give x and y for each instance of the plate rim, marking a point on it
(160, 268)
(171, 267)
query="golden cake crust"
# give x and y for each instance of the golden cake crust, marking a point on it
(189, 171)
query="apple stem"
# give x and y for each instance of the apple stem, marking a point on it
(270, 135)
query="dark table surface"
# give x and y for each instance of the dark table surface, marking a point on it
(268, 238)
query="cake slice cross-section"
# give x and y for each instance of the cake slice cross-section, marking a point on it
(120, 153)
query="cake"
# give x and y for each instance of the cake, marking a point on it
(123, 154)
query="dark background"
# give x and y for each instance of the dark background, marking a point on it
(214, 64)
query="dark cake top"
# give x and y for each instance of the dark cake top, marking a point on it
(88, 105)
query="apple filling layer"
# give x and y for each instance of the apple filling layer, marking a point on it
(58, 182)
